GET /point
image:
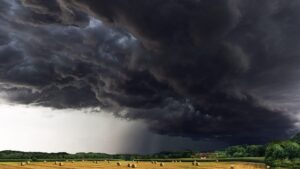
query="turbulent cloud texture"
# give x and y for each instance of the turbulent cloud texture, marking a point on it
(204, 69)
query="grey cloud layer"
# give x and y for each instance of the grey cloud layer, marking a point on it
(204, 69)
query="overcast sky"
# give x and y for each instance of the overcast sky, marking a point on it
(142, 76)
(28, 128)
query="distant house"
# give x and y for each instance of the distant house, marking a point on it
(201, 155)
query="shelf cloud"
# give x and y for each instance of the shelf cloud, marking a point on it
(202, 69)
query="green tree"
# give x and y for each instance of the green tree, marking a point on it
(275, 151)
(274, 154)
(236, 151)
(255, 150)
(291, 149)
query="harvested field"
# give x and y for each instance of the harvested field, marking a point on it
(141, 165)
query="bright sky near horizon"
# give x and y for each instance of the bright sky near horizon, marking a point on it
(29, 128)
(43, 129)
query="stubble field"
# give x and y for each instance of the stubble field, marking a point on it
(124, 165)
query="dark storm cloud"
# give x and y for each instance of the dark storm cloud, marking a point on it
(52, 11)
(204, 69)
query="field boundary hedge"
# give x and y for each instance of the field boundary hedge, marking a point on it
(243, 159)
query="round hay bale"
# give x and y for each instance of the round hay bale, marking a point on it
(268, 167)
(61, 164)
(155, 162)
(128, 165)
(197, 164)
(45, 161)
(118, 164)
(23, 163)
(28, 162)
(133, 165)
(56, 163)
(161, 164)
(231, 166)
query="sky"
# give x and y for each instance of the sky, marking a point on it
(138, 76)
(43, 129)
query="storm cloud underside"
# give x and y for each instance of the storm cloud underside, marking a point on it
(203, 69)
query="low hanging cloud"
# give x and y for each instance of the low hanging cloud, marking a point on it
(203, 69)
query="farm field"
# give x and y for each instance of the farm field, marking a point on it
(141, 165)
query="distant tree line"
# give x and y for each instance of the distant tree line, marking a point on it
(34, 156)
(39, 155)
(277, 153)
(284, 153)
(244, 151)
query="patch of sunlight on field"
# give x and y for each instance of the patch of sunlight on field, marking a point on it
(141, 165)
